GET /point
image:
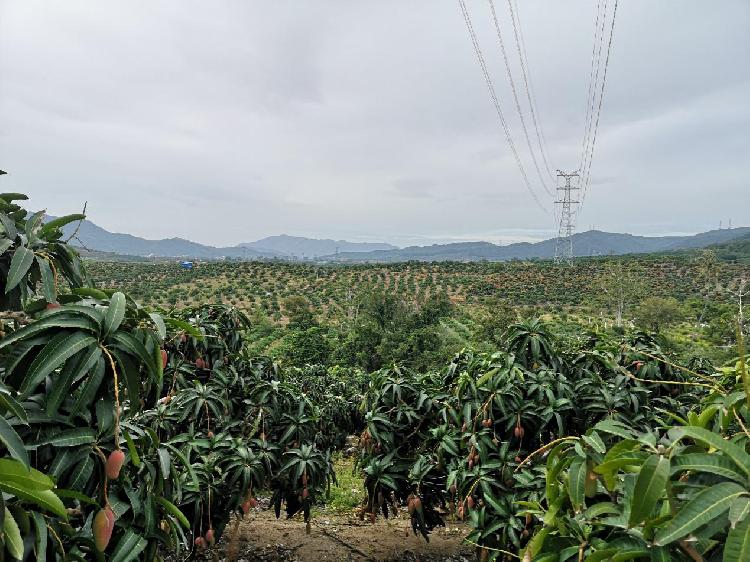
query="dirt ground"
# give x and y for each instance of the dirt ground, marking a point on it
(260, 536)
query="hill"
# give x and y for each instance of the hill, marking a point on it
(590, 243)
(300, 247)
(96, 239)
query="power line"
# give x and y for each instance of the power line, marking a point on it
(496, 102)
(592, 89)
(515, 97)
(593, 86)
(599, 110)
(527, 82)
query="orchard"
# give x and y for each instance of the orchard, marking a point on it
(134, 433)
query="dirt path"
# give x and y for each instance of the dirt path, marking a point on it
(260, 536)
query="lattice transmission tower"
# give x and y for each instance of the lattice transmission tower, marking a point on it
(564, 241)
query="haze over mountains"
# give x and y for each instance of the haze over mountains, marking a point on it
(592, 242)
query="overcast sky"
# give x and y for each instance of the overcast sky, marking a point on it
(224, 122)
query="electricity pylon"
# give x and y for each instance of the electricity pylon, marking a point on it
(564, 241)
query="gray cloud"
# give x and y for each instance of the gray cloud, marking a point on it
(229, 121)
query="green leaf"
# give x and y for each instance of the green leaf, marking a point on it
(737, 547)
(173, 510)
(649, 487)
(8, 197)
(13, 442)
(56, 321)
(53, 355)
(738, 510)
(9, 226)
(5, 243)
(165, 462)
(158, 321)
(134, 347)
(701, 509)
(595, 442)
(90, 292)
(14, 472)
(49, 289)
(136, 460)
(40, 542)
(129, 547)
(69, 438)
(734, 452)
(577, 482)
(710, 463)
(115, 313)
(13, 539)
(615, 428)
(12, 406)
(46, 499)
(53, 225)
(19, 266)
(182, 326)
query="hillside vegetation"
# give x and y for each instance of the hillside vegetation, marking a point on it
(589, 413)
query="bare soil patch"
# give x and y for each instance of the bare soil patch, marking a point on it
(260, 536)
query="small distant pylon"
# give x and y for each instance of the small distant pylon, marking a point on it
(564, 241)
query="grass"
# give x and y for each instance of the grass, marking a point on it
(349, 493)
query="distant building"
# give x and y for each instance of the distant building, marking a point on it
(186, 265)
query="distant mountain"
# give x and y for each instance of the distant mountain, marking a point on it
(100, 241)
(94, 237)
(299, 247)
(590, 243)
(103, 244)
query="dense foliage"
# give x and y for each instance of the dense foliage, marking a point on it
(127, 431)
(130, 432)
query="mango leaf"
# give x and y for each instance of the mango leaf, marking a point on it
(56, 321)
(165, 462)
(13, 539)
(615, 428)
(738, 510)
(595, 442)
(129, 547)
(649, 487)
(49, 289)
(53, 355)
(51, 226)
(69, 438)
(182, 326)
(40, 540)
(90, 292)
(13, 442)
(9, 226)
(46, 499)
(19, 267)
(115, 313)
(577, 482)
(173, 510)
(134, 458)
(134, 347)
(158, 321)
(734, 452)
(11, 406)
(5, 243)
(737, 547)
(698, 511)
(15, 473)
(709, 463)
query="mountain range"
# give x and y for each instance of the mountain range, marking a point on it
(589, 243)
(97, 240)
